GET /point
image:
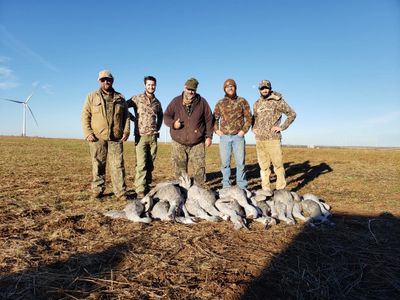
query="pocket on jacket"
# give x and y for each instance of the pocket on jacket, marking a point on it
(96, 108)
(197, 134)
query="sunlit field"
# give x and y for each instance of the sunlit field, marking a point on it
(56, 244)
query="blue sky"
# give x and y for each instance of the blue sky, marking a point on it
(337, 63)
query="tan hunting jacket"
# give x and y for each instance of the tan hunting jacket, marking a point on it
(95, 121)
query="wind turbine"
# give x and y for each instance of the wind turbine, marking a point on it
(25, 106)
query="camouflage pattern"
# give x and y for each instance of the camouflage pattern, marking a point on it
(146, 151)
(106, 124)
(264, 83)
(232, 115)
(100, 151)
(182, 154)
(108, 101)
(268, 113)
(270, 151)
(148, 114)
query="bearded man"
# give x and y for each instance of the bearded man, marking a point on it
(191, 127)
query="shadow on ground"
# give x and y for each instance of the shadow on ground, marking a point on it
(61, 279)
(299, 175)
(358, 258)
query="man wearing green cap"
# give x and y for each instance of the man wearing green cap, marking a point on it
(267, 127)
(106, 125)
(190, 120)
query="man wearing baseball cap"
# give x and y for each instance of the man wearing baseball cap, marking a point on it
(106, 125)
(267, 127)
(232, 121)
(190, 120)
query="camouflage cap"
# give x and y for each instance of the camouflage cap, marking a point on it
(105, 74)
(192, 83)
(264, 83)
(229, 82)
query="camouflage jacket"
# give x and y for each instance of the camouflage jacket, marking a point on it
(268, 113)
(232, 115)
(95, 121)
(148, 114)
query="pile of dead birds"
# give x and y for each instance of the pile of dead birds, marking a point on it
(184, 202)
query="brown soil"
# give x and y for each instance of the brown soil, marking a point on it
(56, 244)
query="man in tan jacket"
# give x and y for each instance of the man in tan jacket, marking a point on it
(106, 125)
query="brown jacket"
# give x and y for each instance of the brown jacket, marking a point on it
(197, 126)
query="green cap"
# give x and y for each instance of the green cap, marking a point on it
(192, 83)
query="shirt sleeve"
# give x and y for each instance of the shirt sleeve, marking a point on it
(169, 115)
(247, 116)
(289, 112)
(159, 117)
(217, 116)
(208, 116)
(127, 126)
(86, 118)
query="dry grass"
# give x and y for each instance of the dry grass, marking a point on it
(56, 244)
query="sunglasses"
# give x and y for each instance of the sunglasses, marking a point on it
(106, 79)
(264, 88)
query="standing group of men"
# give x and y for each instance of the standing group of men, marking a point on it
(106, 125)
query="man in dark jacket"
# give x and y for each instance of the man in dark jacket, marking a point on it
(190, 120)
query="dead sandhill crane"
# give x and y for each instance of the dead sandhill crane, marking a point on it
(233, 211)
(200, 203)
(241, 197)
(169, 199)
(317, 210)
(133, 211)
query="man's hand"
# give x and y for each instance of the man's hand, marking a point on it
(241, 133)
(208, 142)
(91, 138)
(178, 124)
(276, 129)
(124, 137)
(219, 132)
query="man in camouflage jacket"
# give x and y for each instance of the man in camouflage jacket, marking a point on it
(106, 125)
(267, 127)
(148, 120)
(190, 120)
(233, 120)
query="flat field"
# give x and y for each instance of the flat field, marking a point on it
(56, 244)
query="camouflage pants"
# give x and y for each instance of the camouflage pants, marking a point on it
(100, 152)
(181, 155)
(146, 151)
(270, 151)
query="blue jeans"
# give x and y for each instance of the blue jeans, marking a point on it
(227, 145)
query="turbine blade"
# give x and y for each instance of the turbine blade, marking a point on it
(30, 96)
(32, 115)
(16, 101)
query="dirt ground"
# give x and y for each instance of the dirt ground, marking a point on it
(56, 244)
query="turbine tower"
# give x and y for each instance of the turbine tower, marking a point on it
(25, 107)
